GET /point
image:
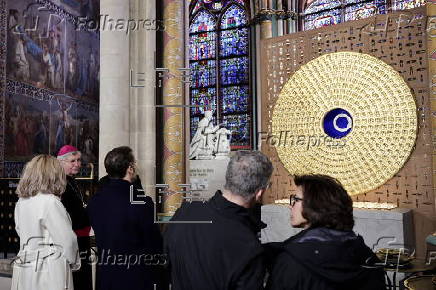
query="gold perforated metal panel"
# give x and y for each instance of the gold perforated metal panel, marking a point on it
(371, 135)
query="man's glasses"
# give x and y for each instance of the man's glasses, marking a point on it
(293, 199)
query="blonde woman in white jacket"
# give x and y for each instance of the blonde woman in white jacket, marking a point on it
(48, 246)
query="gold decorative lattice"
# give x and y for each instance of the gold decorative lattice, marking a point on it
(383, 112)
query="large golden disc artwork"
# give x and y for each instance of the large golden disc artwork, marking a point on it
(348, 115)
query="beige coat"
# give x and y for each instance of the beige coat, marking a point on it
(48, 245)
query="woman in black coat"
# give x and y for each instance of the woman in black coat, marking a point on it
(327, 254)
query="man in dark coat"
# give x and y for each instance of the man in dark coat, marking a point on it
(221, 249)
(128, 241)
(73, 201)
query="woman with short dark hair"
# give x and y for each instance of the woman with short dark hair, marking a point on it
(327, 254)
(326, 202)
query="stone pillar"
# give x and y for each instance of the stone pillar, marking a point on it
(293, 25)
(265, 29)
(173, 94)
(265, 24)
(127, 112)
(114, 82)
(280, 22)
(142, 93)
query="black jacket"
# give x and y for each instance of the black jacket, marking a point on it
(325, 259)
(129, 243)
(74, 203)
(224, 254)
(72, 199)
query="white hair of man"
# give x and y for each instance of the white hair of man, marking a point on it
(65, 156)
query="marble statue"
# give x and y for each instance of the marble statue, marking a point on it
(209, 141)
(222, 143)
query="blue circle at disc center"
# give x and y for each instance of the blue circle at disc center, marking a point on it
(338, 123)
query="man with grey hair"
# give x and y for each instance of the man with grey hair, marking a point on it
(219, 249)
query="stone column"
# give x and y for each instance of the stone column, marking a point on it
(127, 112)
(173, 94)
(114, 82)
(293, 24)
(142, 91)
(265, 29)
(265, 23)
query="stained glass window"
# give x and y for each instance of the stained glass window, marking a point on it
(202, 46)
(322, 5)
(203, 21)
(364, 10)
(240, 127)
(220, 67)
(235, 99)
(203, 98)
(233, 17)
(325, 12)
(234, 71)
(352, 1)
(323, 18)
(215, 6)
(407, 4)
(203, 73)
(230, 47)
